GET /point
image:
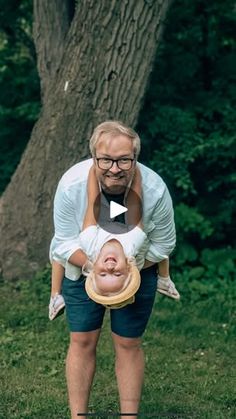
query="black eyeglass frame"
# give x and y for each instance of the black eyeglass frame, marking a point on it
(115, 161)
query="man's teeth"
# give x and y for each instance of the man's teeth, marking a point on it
(114, 177)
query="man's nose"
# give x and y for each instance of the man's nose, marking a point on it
(115, 169)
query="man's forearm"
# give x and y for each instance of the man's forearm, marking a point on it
(78, 258)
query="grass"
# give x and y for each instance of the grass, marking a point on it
(189, 350)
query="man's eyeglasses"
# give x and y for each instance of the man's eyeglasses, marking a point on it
(106, 164)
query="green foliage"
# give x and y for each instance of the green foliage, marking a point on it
(175, 129)
(189, 220)
(188, 125)
(211, 260)
(19, 84)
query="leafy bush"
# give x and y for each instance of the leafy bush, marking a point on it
(188, 126)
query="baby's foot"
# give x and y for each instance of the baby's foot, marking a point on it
(56, 306)
(167, 287)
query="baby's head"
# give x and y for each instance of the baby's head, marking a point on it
(111, 268)
(113, 274)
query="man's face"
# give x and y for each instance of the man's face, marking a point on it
(114, 180)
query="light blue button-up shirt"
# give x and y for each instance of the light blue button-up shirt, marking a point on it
(70, 205)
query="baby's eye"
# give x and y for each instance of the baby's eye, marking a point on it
(103, 274)
(117, 274)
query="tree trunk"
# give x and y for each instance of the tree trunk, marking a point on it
(93, 66)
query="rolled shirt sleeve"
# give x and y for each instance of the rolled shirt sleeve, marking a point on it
(66, 238)
(158, 216)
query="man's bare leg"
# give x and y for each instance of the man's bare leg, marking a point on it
(129, 373)
(80, 369)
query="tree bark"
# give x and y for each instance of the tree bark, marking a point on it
(52, 19)
(105, 56)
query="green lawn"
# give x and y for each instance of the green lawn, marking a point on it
(189, 347)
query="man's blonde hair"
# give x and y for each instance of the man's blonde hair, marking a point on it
(114, 128)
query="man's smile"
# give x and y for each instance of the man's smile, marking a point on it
(111, 177)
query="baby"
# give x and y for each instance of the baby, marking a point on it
(108, 260)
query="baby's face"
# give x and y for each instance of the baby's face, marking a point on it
(110, 268)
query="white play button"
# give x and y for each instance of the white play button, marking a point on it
(116, 209)
(109, 209)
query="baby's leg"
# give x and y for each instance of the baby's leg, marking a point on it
(58, 273)
(57, 303)
(93, 206)
(134, 201)
(163, 268)
(164, 284)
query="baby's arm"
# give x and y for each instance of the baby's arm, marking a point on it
(93, 194)
(134, 201)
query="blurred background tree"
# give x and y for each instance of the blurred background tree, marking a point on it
(79, 88)
(187, 124)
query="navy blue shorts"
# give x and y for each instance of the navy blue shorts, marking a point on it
(84, 315)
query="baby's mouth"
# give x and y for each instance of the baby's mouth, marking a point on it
(110, 259)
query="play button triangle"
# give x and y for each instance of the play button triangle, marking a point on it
(116, 209)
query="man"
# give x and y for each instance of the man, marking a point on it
(115, 149)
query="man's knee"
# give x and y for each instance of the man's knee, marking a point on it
(84, 341)
(126, 344)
